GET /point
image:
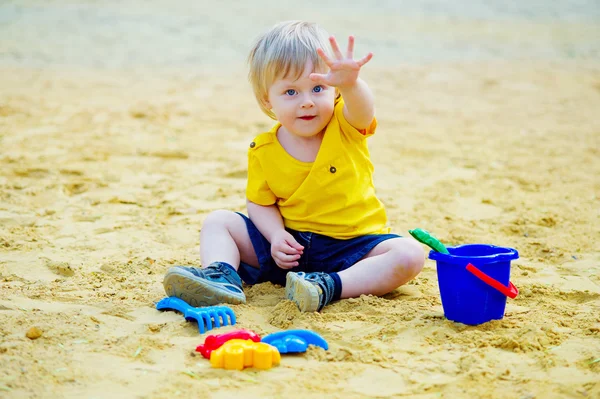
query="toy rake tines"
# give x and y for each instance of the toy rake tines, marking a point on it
(208, 317)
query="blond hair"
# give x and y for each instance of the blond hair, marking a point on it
(283, 52)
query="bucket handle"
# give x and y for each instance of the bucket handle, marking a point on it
(510, 291)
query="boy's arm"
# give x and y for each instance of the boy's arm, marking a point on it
(359, 108)
(266, 218)
(359, 105)
(285, 250)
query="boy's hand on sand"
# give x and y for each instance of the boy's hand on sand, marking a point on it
(285, 250)
(343, 71)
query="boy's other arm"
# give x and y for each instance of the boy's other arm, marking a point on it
(285, 250)
(266, 218)
(359, 104)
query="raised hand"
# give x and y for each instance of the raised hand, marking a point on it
(343, 71)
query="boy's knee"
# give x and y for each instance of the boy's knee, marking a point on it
(410, 258)
(416, 257)
(220, 218)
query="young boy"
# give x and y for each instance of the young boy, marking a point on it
(315, 224)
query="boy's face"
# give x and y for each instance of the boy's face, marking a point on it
(303, 107)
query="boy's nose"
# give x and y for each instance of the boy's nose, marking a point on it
(307, 102)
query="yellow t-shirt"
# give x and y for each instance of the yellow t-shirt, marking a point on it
(333, 196)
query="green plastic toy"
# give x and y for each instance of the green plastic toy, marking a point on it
(426, 238)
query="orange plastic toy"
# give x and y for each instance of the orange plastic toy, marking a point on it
(237, 354)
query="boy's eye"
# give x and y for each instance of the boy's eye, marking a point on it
(290, 92)
(318, 89)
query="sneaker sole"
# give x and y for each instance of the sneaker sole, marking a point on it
(198, 292)
(303, 293)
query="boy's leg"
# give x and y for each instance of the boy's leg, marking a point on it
(389, 265)
(224, 238)
(224, 241)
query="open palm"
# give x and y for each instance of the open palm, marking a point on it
(343, 71)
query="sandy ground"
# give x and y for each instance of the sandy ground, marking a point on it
(107, 174)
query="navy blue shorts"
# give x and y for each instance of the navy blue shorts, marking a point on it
(321, 254)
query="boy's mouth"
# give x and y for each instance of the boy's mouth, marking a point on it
(308, 118)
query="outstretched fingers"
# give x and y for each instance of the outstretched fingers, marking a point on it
(350, 51)
(335, 48)
(325, 57)
(364, 59)
(343, 69)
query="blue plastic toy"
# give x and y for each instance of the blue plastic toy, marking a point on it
(294, 341)
(474, 281)
(217, 315)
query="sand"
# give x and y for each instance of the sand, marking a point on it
(107, 173)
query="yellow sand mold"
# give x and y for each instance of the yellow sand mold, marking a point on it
(238, 354)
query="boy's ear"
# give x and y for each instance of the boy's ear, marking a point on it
(266, 103)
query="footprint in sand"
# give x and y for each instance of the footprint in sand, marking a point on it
(36, 173)
(60, 268)
(75, 188)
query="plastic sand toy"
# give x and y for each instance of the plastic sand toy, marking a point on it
(213, 342)
(426, 238)
(295, 341)
(238, 354)
(210, 316)
(474, 281)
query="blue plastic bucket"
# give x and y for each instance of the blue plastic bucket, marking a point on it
(474, 281)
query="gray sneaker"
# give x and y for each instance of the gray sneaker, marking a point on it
(212, 285)
(310, 291)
